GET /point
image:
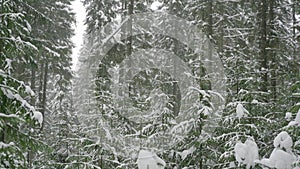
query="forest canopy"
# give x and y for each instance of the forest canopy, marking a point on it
(159, 84)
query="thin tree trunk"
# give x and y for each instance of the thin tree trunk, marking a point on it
(44, 91)
(32, 86)
(210, 47)
(3, 131)
(40, 94)
(263, 7)
(295, 27)
(272, 45)
(294, 18)
(129, 40)
(210, 18)
(130, 12)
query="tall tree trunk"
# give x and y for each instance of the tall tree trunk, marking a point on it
(32, 86)
(294, 5)
(3, 131)
(210, 34)
(40, 89)
(272, 47)
(129, 28)
(129, 40)
(44, 91)
(210, 18)
(263, 7)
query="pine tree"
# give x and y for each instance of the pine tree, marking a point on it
(20, 121)
(258, 44)
(35, 45)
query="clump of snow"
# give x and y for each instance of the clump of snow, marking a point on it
(28, 90)
(185, 153)
(297, 119)
(240, 152)
(254, 101)
(232, 165)
(295, 122)
(279, 159)
(241, 111)
(4, 145)
(156, 5)
(8, 65)
(288, 116)
(9, 115)
(205, 110)
(246, 153)
(149, 160)
(283, 141)
(8, 94)
(38, 116)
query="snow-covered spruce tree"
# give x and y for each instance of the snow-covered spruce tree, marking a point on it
(91, 148)
(140, 91)
(265, 108)
(233, 32)
(40, 50)
(53, 78)
(255, 41)
(20, 122)
(87, 138)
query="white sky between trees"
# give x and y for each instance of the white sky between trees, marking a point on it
(79, 28)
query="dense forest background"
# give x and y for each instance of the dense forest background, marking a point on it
(52, 117)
